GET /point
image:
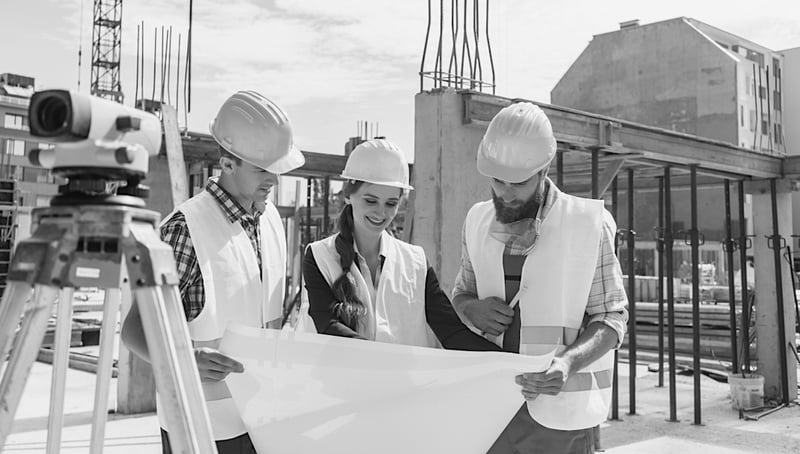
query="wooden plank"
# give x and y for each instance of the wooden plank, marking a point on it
(175, 160)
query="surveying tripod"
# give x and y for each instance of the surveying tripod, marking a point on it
(103, 244)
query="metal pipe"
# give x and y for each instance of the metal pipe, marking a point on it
(695, 239)
(615, 378)
(776, 249)
(673, 407)
(745, 366)
(730, 245)
(660, 249)
(631, 300)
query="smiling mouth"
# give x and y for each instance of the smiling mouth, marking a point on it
(373, 222)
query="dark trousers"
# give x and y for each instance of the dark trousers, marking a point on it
(523, 435)
(239, 445)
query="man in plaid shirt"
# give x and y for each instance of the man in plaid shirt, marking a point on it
(539, 277)
(230, 250)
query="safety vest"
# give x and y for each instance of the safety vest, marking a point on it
(554, 290)
(234, 291)
(397, 314)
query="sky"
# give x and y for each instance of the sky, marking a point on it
(333, 63)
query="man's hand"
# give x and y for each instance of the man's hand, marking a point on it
(490, 315)
(549, 382)
(215, 366)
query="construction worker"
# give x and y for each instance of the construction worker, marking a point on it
(364, 283)
(539, 276)
(230, 249)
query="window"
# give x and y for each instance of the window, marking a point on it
(752, 120)
(762, 92)
(15, 147)
(777, 100)
(764, 125)
(778, 134)
(741, 115)
(14, 121)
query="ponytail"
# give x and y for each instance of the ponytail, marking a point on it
(347, 307)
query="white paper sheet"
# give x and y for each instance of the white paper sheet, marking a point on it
(306, 393)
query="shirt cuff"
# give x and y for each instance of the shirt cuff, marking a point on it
(615, 321)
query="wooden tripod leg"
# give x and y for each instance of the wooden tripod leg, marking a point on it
(103, 381)
(26, 346)
(55, 419)
(175, 370)
(16, 295)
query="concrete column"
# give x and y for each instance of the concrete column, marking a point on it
(446, 180)
(765, 287)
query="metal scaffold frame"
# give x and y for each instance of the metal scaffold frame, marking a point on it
(107, 49)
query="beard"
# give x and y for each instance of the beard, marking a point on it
(508, 214)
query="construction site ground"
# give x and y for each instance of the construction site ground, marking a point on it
(648, 431)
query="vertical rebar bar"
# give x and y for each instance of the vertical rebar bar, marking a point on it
(673, 408)
(660, 250)
(695, 239)
(326, 218)
(615, 378)
(631, 298)
(309, 191)
(425, 50)
(560, 171)
(595, 171)
(729, 247)
(489, 47)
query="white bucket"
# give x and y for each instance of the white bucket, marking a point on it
(747, 392)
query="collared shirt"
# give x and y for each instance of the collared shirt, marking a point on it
(607, 298)
(176, 233)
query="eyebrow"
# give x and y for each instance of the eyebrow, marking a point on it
(376, 197)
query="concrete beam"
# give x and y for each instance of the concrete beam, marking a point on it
(582, 129)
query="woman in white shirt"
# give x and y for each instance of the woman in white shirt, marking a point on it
(362, 282)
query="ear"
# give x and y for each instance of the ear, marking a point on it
(227, 165)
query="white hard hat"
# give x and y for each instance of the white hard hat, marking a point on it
(378, 161)
(253, 128)
(518, 143)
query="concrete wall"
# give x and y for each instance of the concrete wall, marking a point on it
(664, 74)
(791, 112)
(445, 179)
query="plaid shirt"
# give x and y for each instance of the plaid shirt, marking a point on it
(176, 233)
(607, 299)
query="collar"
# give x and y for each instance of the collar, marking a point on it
(383, 248)
(233, 210)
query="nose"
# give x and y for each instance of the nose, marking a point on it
(270, 178)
